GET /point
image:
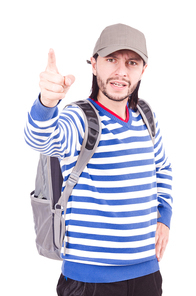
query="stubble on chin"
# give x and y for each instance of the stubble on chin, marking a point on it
(102, 88)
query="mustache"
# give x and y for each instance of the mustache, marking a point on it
(118, 78)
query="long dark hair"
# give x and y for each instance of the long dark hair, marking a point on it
(133, 98)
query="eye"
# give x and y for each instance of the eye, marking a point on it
(111, 60)
(132, 63)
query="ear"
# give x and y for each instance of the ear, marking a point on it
(143, 70)
(94, 66)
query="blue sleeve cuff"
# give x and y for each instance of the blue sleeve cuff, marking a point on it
(165, 215)
(41, 113)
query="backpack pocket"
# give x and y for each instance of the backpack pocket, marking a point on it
(44, 228)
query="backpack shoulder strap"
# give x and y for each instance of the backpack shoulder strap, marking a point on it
(90, 142)
(148, 118)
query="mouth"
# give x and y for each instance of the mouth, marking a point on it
(118, 85)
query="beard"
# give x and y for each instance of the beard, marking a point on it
(116, 98)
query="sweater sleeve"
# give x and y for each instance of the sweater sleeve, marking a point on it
(164, 180)
(54, 134)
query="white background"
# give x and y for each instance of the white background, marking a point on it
(71, 28)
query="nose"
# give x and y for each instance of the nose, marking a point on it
(121, 69)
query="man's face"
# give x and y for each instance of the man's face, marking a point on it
(118, 74)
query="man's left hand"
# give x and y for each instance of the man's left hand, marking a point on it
(161, 240)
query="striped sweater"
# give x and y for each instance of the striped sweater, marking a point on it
(112, 213)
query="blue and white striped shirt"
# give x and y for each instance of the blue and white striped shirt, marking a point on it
(111, 216)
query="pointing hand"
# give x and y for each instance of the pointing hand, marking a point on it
(53, 85)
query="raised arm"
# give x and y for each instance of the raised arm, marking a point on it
(46, 131)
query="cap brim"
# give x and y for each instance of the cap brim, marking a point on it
(104, 52)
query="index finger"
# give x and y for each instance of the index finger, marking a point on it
(51, 66)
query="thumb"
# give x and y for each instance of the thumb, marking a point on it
(51, 66)
(69, 80)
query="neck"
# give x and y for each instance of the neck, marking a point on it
(117, 107)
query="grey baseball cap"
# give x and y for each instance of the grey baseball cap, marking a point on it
(118, 37)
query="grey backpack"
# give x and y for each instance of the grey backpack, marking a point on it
(47, 202)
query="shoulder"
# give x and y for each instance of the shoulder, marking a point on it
(72, 111)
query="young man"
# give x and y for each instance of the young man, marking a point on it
(114, 235)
